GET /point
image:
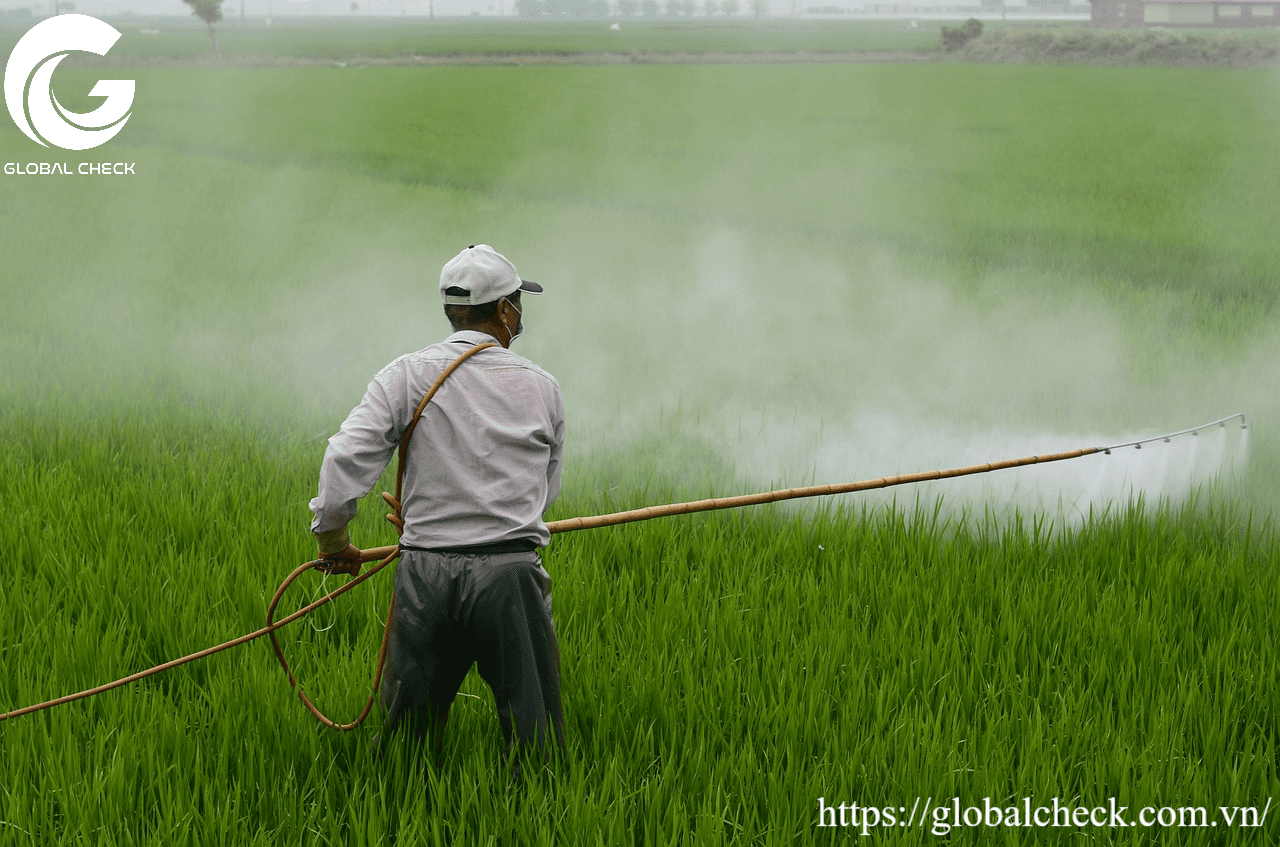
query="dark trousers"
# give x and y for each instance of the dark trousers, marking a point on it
(454, 610)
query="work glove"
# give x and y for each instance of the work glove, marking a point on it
(337, 553)
(346, 560)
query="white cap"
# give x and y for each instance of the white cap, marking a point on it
(485, 274)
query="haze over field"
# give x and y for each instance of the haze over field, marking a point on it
(790, 299)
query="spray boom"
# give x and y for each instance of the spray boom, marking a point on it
(1137, 445)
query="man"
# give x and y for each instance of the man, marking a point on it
(482, 467)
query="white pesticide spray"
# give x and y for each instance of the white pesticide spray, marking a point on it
(836, 376)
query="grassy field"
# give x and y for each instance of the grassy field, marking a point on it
(756, 275)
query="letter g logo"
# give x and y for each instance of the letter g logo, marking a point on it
(30, 71)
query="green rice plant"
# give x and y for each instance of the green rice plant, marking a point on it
(721, 672)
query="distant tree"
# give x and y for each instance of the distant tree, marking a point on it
(760, 8)
(209, 11)
(729, 7)
(598, 8)
(711, 8)
(649, 8)
(628, 8)
(530, 8)
(954, 39)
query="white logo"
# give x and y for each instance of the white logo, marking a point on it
(30, 72)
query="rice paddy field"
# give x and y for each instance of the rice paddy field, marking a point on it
(758, 275)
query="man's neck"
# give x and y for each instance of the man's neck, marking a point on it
(491, 328)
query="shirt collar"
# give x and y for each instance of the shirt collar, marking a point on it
(471, 336)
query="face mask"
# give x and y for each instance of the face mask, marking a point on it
(519, 330)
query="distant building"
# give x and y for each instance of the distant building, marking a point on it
(989, 8)
(1206, 13)
(1189, 13)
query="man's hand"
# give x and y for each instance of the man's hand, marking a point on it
(345, 561)
(397, 512)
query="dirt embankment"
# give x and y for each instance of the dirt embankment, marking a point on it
(1153, 46)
